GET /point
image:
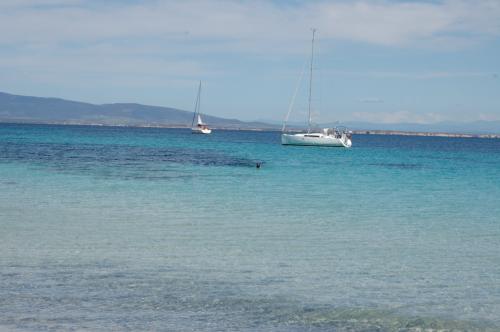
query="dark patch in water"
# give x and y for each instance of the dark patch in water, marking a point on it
(398, 165)
(124, 161)
(364, 319)
(440, 157)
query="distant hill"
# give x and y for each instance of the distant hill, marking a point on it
(15, 108)
(475, 127)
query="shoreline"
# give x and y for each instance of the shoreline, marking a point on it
(424, 134)
(179, 126)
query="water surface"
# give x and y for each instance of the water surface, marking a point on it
(108, 228)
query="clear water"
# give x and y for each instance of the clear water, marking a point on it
(107, 228)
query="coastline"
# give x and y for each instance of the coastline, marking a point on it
(424, 134)
(183, 126)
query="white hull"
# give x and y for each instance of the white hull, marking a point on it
(335, 137)
(196, 130)
(316, 139)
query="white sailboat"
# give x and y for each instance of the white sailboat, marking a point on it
(200, 127)
(333, 137)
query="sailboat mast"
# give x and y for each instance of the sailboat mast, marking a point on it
(199, 98)
(310, 82)
(197, 105)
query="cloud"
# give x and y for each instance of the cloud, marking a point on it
(257, 26)
(22, 4)
(415, 23)
(412, 75)
(397, 117)
(97, 45)
(372, 101)
(91, 35)
(489, 117)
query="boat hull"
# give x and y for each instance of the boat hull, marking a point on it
(201, 131)
(316, 140)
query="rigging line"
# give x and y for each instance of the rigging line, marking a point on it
(199, 99)
(196, 106)
(320, 82)
(292, 101)
(310, 81)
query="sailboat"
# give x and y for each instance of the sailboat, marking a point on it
(200, 127)
(333, 137)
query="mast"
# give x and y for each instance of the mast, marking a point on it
(199, 100)
(197, 105)
(310, 82)
(290, 106)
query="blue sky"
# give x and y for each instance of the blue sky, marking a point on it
(377, 60)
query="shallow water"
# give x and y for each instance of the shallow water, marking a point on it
(108, 228)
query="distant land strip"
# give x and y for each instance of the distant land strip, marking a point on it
(427, 134)
(180, 126)
(43, 110)
(129, 125)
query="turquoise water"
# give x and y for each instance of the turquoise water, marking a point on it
(106, 228)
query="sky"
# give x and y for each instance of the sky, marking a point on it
(383, 61)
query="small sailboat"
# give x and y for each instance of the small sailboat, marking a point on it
(200, 127)
(333, 137)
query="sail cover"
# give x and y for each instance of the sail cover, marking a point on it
(199, 120)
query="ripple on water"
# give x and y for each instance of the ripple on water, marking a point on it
(107, 297)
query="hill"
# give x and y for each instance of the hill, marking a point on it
(15, 108)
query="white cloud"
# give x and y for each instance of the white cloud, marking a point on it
(397, 117)
(413, 75)
(257, 26)
(372, 101)
(169, 36)
(489, 117)
(101, 44)
(19, 4)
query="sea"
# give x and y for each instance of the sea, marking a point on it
(153, 229)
